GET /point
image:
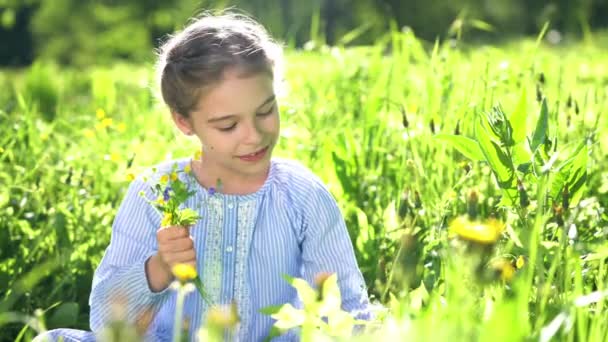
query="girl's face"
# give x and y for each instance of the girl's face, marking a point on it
(237, 121)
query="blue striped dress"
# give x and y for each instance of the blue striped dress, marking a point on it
(244, 244)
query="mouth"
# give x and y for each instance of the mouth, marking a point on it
(255, 156)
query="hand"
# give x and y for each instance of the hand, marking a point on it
(175, 246)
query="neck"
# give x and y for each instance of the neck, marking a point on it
(207, 175)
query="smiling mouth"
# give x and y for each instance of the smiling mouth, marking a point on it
(254, 154)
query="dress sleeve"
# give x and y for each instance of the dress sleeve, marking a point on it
(121, 275)
(326, 247)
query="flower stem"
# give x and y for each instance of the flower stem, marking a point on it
(179, 308)
(199, 286)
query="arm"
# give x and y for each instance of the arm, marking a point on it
(122, 273)
(326, 247)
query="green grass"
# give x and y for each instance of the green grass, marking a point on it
(366, 120)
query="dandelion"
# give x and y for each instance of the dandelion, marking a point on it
(174, 176)
(160, 201)
(121, 127)
(198, 155)
(223, 316)
(520, 263)
(115, 157)
(130, 177)
(184, 272)
(485, 233)
(504, 269)
(187, 168)
(166, 221)
(164, 179)
(107, 122)
(100, 113)
(89, 133)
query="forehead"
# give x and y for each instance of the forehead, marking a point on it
(235, 93)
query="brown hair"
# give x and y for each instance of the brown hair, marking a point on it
(196, 58)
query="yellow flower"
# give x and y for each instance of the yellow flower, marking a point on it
(115, 157)
(121, 127)
(166, 221)
(100, 113)
(107, 122)
(187, 168)
(485, 233)
(160, 200)
(89, 133)
(164, 179)
(198, 155)
(173, 176)
(130, 177)
(521, 262)
(184, 272)
(223, 316)
(505, 270)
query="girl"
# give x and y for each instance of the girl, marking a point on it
(271, 217)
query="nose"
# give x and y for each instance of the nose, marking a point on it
(253, 134)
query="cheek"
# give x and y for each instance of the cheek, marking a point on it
(272, 125)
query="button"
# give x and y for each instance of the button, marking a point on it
(229, 249)
(230, 205)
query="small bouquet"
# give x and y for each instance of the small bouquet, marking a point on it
(170, 193)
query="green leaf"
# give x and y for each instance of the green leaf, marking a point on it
(65, 315)
(306, 293)
(521, 154)
(482, 25)
(274, 332)
(271, 310)
(340, 324)
(500, 163)
(186, 217)
(542, 125)
(332, 299)
(467, 146)
(573, 174)
(418, 297)
(289, 317)
(518, 119)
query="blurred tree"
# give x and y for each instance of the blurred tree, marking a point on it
(85, 32)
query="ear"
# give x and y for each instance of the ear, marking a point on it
(183, 123)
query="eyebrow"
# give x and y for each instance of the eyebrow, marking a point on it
(230, 116)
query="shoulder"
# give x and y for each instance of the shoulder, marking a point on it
(299, 181)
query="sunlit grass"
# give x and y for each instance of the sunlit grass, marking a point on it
(365, 120)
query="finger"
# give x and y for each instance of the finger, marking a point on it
(177, 245)
(171, 233)
(180, 257)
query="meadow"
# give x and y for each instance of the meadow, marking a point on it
(473, 180)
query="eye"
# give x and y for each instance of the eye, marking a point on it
(228, 129)
(267, 112)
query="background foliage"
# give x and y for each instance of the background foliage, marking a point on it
(410, 156)
(93, 32)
